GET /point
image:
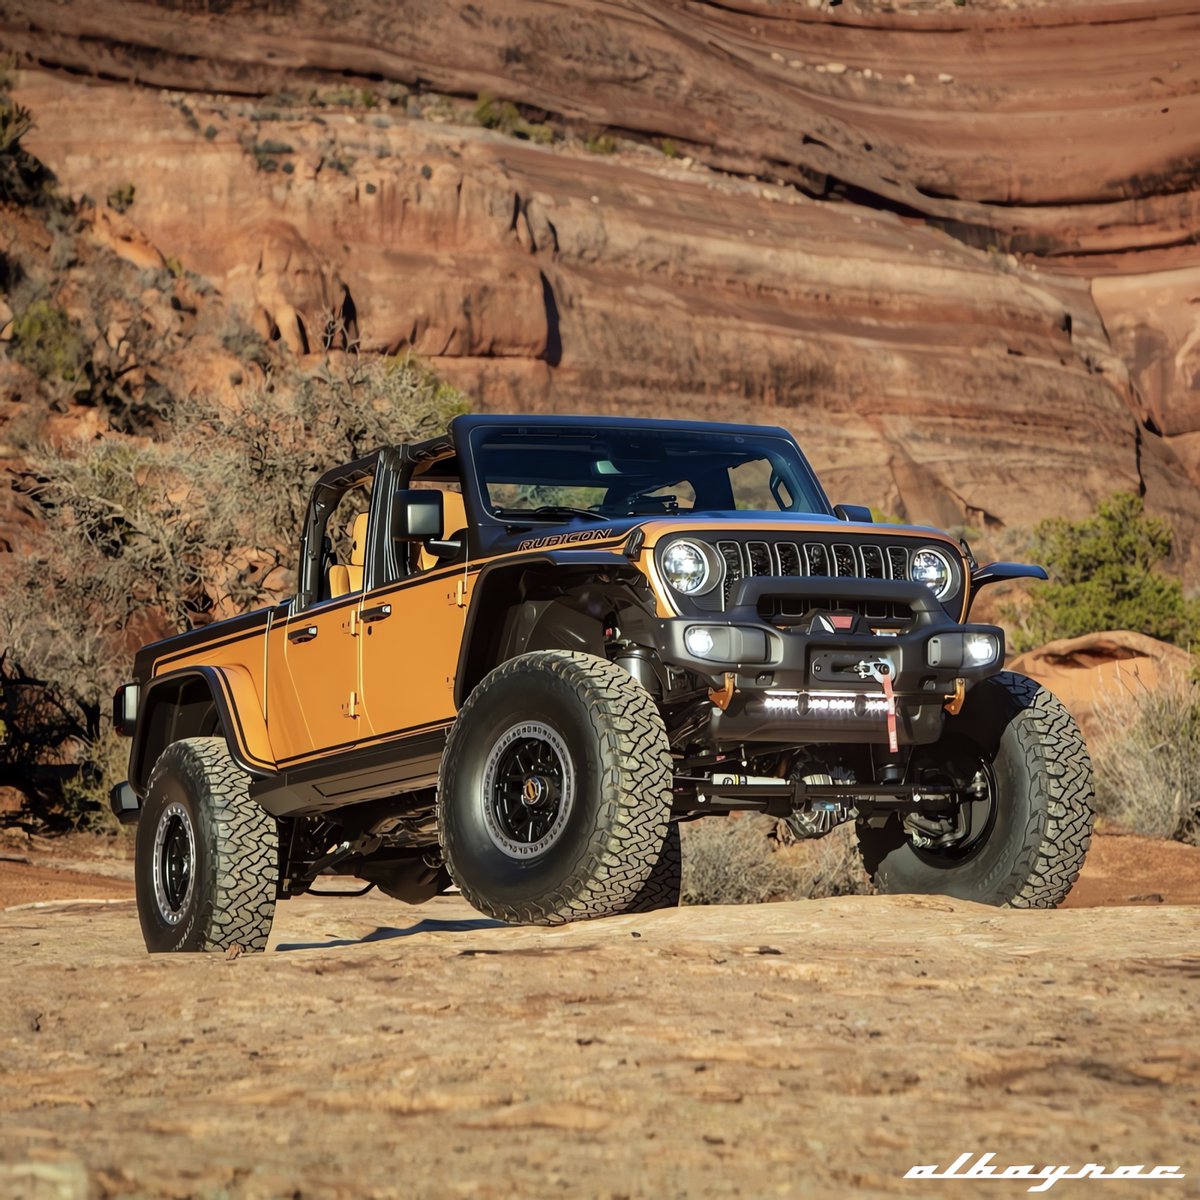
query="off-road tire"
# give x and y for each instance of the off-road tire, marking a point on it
(664, 885)
(606, 829)
(197, 790)
(1032, 852)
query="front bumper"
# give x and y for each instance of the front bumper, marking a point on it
(124, 803)
(808, 683)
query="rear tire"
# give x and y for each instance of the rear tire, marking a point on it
(206, 865)
(555, 790)
(1037, 833)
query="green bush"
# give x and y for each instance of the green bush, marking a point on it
(121, 198)
(45, 340)
(504, 117)
(601, 143)
(1104, 575)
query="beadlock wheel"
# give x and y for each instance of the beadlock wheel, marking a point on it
(206, 864)
(528, 789)
(174, 862)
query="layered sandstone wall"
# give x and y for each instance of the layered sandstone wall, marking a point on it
(953, 249)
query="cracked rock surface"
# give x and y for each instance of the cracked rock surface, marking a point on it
(816, 1049)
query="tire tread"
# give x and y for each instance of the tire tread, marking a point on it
(635, 792)
(245, 847)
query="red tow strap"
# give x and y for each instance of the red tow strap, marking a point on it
(885, 677)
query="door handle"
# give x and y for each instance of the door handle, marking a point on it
(305, 633)
(380, 612)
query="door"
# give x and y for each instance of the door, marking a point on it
(411, 636)
(412, 629)
(313, 694)
(312, 681)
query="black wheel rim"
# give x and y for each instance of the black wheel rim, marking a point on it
(528, 789)
(174, 862)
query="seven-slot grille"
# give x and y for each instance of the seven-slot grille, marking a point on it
(815, 559)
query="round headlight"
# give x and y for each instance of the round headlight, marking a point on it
(686, 567)
(932, 568)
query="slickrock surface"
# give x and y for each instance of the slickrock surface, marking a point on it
(815, 1049)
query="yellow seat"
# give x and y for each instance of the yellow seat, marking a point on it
(454, 521)
(348, 577)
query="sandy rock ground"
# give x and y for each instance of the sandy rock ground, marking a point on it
(800, 1049)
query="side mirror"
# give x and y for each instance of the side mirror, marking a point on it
(853, 512)
(417, 515)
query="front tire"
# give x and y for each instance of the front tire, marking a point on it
(664, 884)
(1030, 841)
(206, 866)
(555, 790)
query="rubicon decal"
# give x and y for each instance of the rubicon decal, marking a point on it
(567, 539)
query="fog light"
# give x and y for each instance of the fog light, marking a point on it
(981, 649)
(699, 641)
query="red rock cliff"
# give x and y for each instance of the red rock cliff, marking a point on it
(952, 248)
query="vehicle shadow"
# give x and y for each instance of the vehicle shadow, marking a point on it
(386, 932)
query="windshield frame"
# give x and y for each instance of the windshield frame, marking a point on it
(776, 444)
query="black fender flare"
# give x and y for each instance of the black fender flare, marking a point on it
(164, 718)
(496, 589)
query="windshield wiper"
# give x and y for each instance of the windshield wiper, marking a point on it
(565, 510)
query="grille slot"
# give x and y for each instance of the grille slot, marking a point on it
(845, 560)
(731, 552)
(759, 555)
(817, 557)
(898, 562)
(788, 554)
(872, 564)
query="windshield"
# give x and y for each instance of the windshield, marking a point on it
(577, 471)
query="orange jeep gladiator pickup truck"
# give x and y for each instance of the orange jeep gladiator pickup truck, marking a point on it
(521, 654)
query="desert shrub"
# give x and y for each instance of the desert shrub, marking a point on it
(1104, 575)
(23, 179)
(738, 861)
(504, 117)
(121, 197)
(1147, 760)
(600, 143)
(45, 340)
(830, 866)
(142, 537)
(101, 763)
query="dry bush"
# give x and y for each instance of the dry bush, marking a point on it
(1146, 752)
(830, 866)
(738, 861)
(100, 764)
(142, 537)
